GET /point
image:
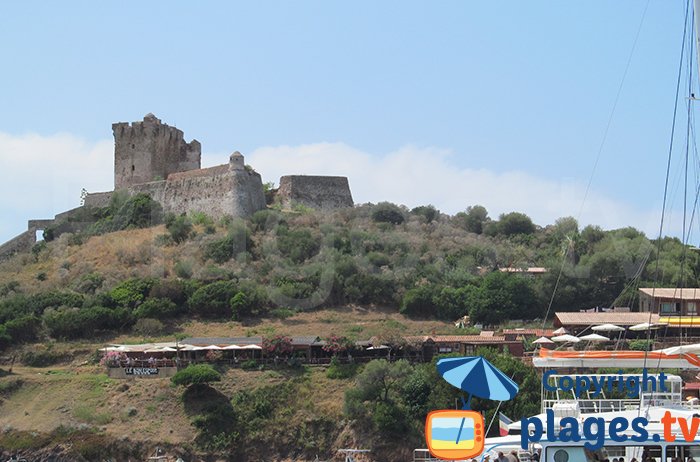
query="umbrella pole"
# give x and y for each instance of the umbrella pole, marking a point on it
(461, 425)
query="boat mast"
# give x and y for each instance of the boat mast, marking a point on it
(696, 17)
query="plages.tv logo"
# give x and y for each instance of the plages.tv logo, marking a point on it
(460, 434)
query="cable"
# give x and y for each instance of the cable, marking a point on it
(600, 151)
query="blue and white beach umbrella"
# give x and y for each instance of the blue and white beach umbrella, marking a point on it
(478, 377)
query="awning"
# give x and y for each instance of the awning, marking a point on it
(681, 321)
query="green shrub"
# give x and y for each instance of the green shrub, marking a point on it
(390, 419)
(89, 283)
(23, 329)
(264, 220)
(71, 323)
(386, 212)
(236, 241)
(283, 313)
(641, 344)
(183, 269)
(43, 358)
(298, 244)
(157, 308)
(214, 300)
(249, 365)
(139, 211)
(428, 212)
(180, 227)
(196, 374)
(340, 371)
(131, 292)
(378, 259)
(9, 287)
(368, 288)
(201, 218)
(38, 248)
(513, 223)
(248, 301)
(148, 327)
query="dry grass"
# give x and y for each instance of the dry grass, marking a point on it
(72, 396)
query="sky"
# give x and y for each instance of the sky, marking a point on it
(454, 103)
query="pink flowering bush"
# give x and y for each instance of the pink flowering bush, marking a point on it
(112, 358)
(335, 344)
(277, 345)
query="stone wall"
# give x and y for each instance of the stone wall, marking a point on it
(318, 192)
(98, 200)
(228, 189)
(150, 150)
(19, 244)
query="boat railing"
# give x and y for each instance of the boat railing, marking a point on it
(590, 406)
(423, 455)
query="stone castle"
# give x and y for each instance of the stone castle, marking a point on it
(153, 158)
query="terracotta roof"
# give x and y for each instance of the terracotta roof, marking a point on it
(680, 294)
(592, 319)
(418, 338)
(210, 171)
(533, 332)
(691, 386)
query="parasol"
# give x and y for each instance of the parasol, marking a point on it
(476, 376)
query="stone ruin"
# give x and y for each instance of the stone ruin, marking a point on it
(153, 158)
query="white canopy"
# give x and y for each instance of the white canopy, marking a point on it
(560, 331)
(608, 328)
(542, 340)
(692, 348)
(251, 347)
(233, 347)
(595, 338)
(644, 326)
(208, 347)
(380, 347)
(566, 338)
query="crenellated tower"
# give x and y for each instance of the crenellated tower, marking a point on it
(150, 151)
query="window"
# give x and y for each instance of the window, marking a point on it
(680, 453)
(581, 454)
(692, 308)
(668, 307)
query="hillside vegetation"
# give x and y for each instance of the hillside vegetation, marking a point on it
(371, 271)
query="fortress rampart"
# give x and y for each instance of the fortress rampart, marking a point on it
(153, 158)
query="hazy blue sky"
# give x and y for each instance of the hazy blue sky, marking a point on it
(452, 103)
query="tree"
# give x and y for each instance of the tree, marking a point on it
(214, 300)
(386, 212)
(429, 212)
(474, 218)
(511, 224)
(379, 378)
(420, 301)
(504, 296)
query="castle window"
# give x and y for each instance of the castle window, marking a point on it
(133, 146)
(133, 168)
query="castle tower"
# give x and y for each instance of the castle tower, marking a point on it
(150, 150)
(236, 161)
